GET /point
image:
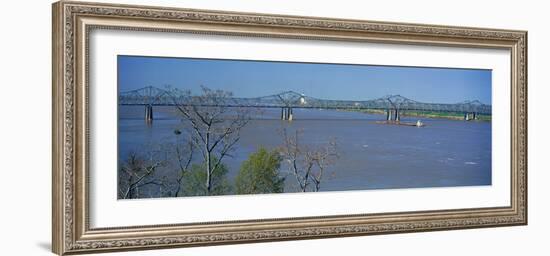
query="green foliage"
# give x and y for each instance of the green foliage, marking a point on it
(194, 181)
(259, 174)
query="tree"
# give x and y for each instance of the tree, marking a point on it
(214, 127)
(193, 181)
(320, 158)
(184, 155)
(136, 173)
(260, 174)
(307, 164)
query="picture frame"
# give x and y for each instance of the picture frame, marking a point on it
(72, 210)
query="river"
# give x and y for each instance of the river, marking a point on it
(371, 156)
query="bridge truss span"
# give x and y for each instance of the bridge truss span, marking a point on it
(392, 104)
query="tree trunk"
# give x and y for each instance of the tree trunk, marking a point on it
(317, 186)
(208, 161)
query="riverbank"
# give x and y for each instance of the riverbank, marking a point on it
(427, 114)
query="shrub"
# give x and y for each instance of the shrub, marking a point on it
(259, 174)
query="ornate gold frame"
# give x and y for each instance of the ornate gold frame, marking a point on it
(72, 22)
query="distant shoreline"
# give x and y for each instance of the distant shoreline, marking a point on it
(426, 114)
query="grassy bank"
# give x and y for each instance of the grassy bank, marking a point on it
(446, 115)
(427, 114)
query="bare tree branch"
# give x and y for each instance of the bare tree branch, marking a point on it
(307, 165)
(214, 130)
(138, 174)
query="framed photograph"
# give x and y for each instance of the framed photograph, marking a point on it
(179, 127)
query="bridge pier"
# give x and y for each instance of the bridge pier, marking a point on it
(393, 115)
(148, 113)
(286, 113)
(289, 114)
(397, 116)
(470, 116)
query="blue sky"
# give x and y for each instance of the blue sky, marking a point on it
(326, 81)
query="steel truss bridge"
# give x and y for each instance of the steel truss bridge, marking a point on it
(393, 105)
